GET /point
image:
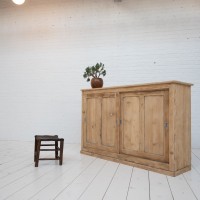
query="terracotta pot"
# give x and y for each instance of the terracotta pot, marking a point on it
(97, 83)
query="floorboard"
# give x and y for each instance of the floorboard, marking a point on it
(74, 190)
(159, 187)
(139, 185)
(83, 177)
(119, 183)
(193, 180)
(180, 188)
(98, 187)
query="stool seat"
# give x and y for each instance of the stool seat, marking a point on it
(48, 138)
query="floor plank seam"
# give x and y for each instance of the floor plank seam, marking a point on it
(32, 171)
(19, 179)
(195, 169)
(30, 183)
(189, 186)
(10, 161)
(110, 181)
(170, 188)
(16, 170)
(196, 156)
(10, 173)
(73, 180)
(149, 186)
(129, 183)
(92, 180)
(15, 179)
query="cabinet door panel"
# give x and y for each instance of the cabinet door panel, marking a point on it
(100, 127)
(130, 109)
(142, 131)
(109, 117)
(93, 117)
(154, 124)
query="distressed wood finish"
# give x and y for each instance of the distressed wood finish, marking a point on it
(93, 125)
(154, 133)
(130, 116)
(108, 121)
(39, 139)
(156, 125)
(99, 121)
(146, 125)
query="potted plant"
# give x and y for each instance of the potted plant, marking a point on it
(95, 72)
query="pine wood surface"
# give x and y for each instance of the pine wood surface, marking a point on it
(143, 125)
(141, 85)
(85, 177)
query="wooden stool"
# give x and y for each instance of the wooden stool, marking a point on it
(48, 138)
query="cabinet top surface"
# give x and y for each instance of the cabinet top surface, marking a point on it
(143, 84)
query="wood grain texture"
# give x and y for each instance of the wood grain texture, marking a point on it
(146, 125)
(100, 127)
(141, 85)
(146, 164)
(182, 126)
(109, 117)
(156, 117)
(130, 119)
(154, 122)
(93, 124)
(127, 158)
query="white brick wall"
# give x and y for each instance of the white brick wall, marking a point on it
(44, 48)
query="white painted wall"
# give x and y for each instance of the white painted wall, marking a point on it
(45, 46)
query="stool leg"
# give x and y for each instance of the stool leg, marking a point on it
(37, 153)
(35, 147)
(61, 152)
(56, 147)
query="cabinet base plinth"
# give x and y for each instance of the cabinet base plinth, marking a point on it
(161, 171)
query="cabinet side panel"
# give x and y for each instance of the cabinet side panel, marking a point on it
(182, 126)
(171, 128)
(83, 120)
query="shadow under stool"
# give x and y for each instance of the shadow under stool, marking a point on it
(55, 142)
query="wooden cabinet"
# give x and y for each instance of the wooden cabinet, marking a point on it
(147, 126)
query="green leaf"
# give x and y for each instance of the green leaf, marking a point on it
(94, 71)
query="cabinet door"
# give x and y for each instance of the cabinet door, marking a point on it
(144, 125)
(92, 121)
(156, 141)
(100, 122)
(130, 123)
(109, 122)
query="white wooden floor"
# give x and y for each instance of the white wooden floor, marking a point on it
(87, 178)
